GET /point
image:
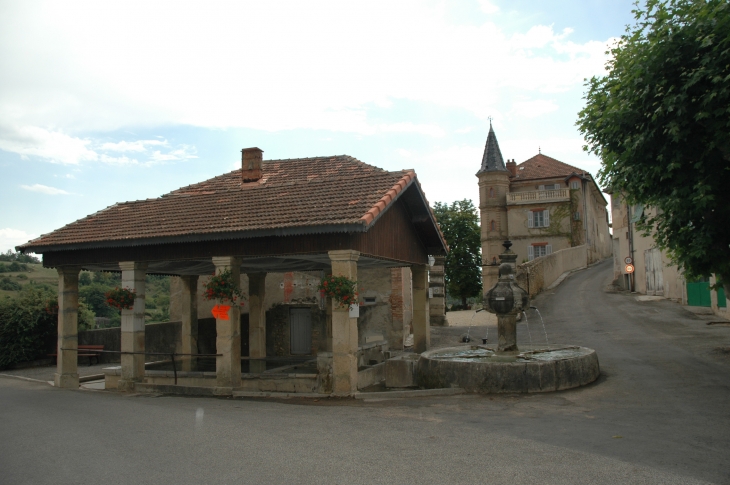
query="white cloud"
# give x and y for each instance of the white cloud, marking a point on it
(488, 7)
(132, 146)
(280, 70)
(430, 130)
(532, 109)
(58, 147)
(44, 189)
(9, 238)
(53, 146)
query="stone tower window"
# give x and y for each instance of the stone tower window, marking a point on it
(492, 226)
(491, 193)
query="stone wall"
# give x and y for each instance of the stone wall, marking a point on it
(278, 325)
(293, 287)
(538, 274)
(386, 312)
(159, 337)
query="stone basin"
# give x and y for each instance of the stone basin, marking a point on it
(478, 368)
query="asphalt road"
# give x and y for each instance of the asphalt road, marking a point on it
(658, 414)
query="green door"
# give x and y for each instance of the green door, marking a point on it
(698, 292)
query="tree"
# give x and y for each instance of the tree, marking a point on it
(660, 122)
(460, 224)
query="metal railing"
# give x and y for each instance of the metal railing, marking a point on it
(170, 354)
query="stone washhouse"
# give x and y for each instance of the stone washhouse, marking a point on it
(305, 217)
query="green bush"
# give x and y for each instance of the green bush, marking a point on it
(25, 326)
(9, 285)
(19, 257)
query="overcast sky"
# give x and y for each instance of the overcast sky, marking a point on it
(102, 102)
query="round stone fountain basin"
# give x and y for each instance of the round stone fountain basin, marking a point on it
(534, 369)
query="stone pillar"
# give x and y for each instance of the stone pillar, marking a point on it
(133, 276)
(328, 317)
(228, 334)
(421, 328)
(344, 329)
(507, 332)
(256, 322)
(68, 316)
(189, 317)
(437, 302)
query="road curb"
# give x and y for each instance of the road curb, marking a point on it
(448, 391)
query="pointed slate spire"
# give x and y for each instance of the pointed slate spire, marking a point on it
(492, 160)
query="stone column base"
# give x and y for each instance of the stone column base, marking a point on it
(126, 385)
(66, 381)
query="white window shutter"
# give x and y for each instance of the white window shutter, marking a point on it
(530, 219)
(530, 253)
(549, 249)
(546, 218)
(541, 187)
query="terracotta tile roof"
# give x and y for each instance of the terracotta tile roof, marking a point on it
(330, 193)
(542, 167)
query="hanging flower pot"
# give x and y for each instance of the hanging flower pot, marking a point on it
(223, 288)
(339, 288)
(121, 298)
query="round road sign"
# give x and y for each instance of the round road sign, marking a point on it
(628, 260)
(629, 268)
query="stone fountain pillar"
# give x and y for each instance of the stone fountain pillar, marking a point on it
(506, 299)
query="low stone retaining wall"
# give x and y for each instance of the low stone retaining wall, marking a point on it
(538, 274)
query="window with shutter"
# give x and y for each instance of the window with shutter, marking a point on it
(541, 187)
(530, 253)
(530, 219)
(545, 218)
(549, 249)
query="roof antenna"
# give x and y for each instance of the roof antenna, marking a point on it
(539, 150)
(490, 121)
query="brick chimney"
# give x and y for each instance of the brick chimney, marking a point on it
(512, 167)
(251, 159)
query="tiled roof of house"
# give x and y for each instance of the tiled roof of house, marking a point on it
(542, 167)
(333, 193)
(492, 160)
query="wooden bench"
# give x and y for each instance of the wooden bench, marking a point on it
(89, 351)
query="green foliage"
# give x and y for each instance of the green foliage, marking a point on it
(14, 267)
(660, 120)
(460, 224)
(339, 288)
(94, 296)
(84, 278)
(25, 326)
(9, 285)
(19, 257)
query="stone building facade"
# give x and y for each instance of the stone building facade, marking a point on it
(542, 205)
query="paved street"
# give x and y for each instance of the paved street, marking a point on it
(658, 414)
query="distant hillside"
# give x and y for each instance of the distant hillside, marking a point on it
(92, 286)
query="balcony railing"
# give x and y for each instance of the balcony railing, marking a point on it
(534, 196)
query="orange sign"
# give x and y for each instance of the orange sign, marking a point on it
(221, 312)
(629, 268)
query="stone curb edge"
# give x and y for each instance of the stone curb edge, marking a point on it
(448, 391)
